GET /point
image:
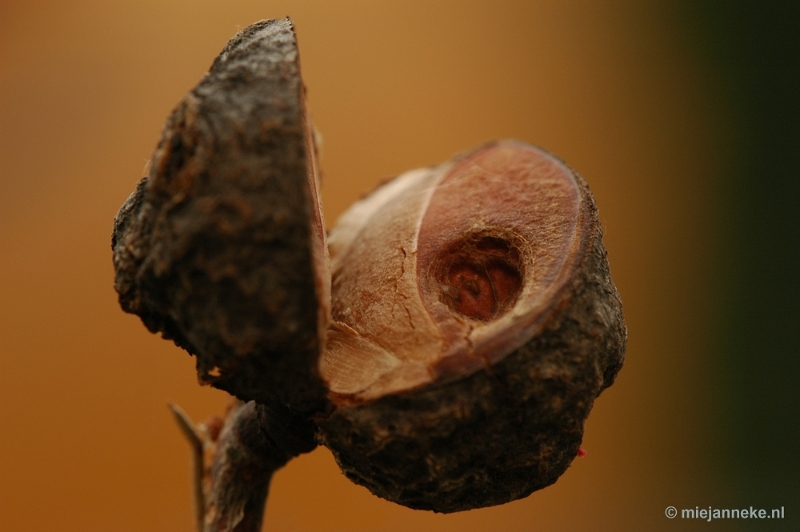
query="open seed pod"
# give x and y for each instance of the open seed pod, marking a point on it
(450, 352)
(474, 324)
(221, 247)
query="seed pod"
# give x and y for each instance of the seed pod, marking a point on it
(470, 324)
(474, 324)
(222, 248)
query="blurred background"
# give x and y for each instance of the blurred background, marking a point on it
(683, 116)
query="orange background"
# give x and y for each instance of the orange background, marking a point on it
(86, 441)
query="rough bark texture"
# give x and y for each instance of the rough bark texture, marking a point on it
(221, 248)
(506, 430)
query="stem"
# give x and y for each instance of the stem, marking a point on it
(232, 472)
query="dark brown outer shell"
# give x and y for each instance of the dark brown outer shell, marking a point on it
(503, 432)
(216, 247)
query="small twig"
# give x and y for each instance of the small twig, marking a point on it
(232, 472)
(196, 442)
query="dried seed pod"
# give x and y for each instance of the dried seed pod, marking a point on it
(472, 320)
(474, 323)
(222, 248)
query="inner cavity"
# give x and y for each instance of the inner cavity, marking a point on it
(480, 276)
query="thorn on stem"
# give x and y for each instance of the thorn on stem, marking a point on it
(195, 439)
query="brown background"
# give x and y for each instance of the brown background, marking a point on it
(86, 442)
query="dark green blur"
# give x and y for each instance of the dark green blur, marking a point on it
(751, 54)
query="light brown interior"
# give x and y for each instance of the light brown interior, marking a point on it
(445, 270)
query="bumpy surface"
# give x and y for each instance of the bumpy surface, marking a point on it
(505, 430)
(221, 247)
(470, 331)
